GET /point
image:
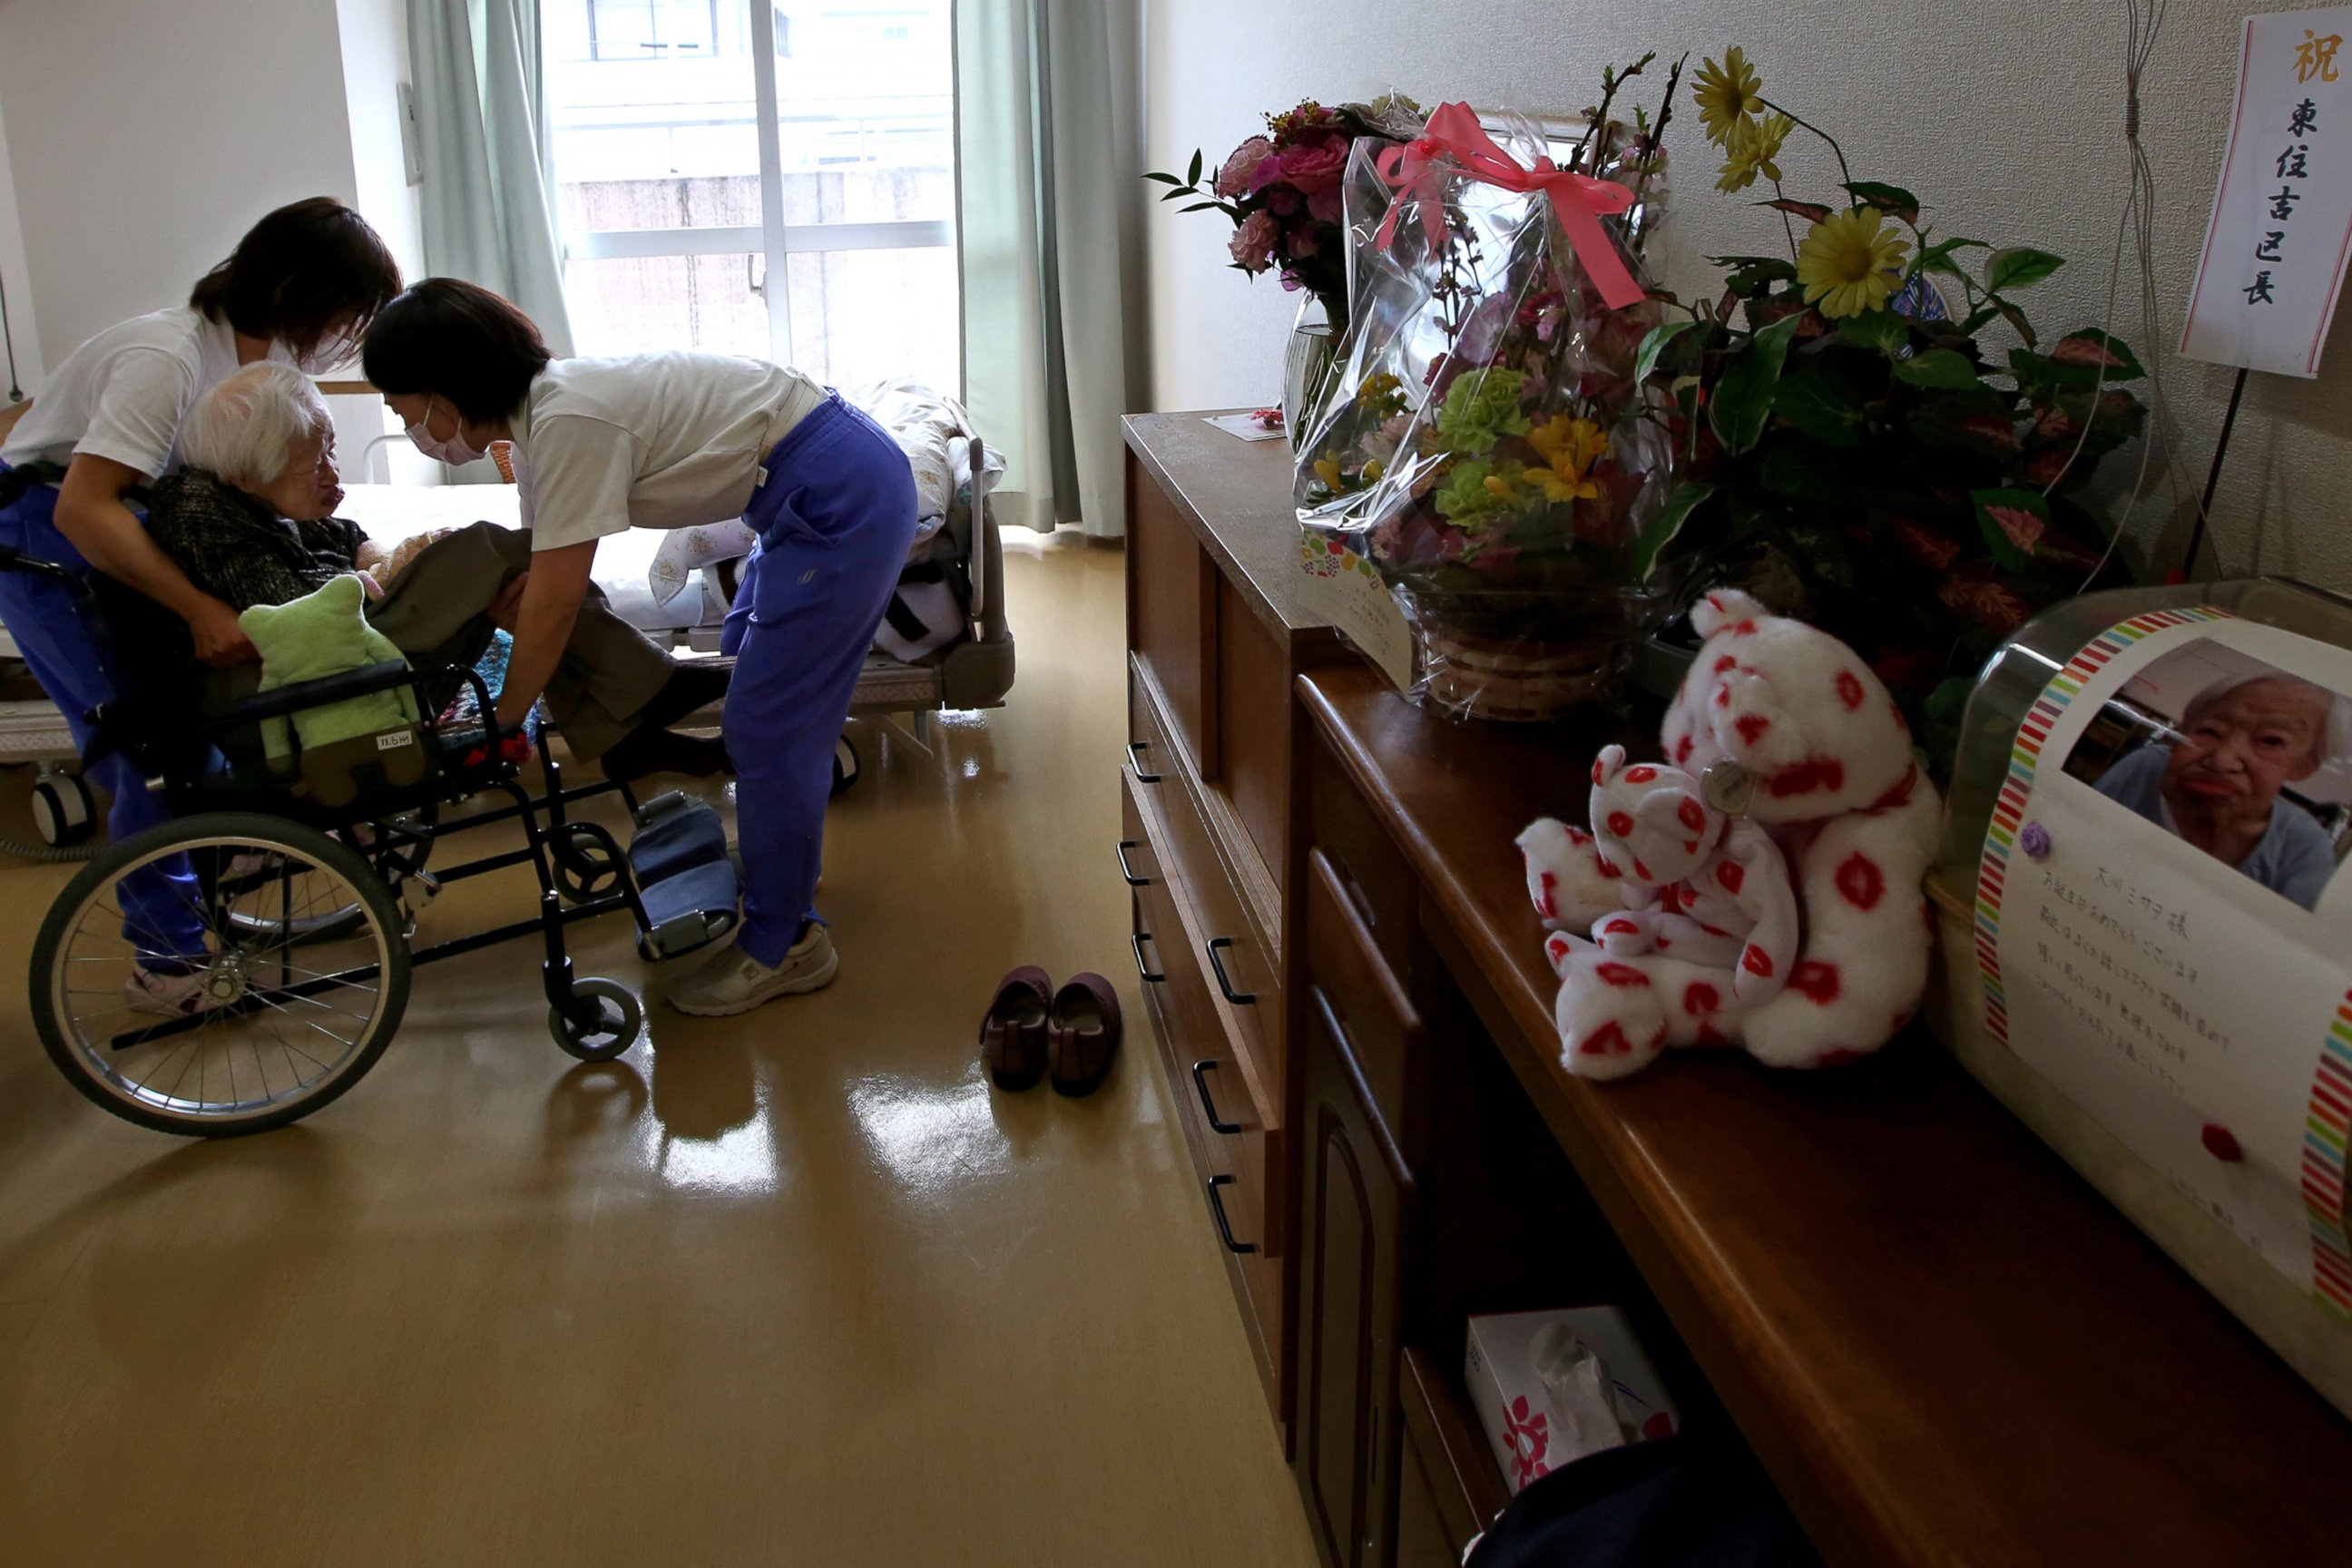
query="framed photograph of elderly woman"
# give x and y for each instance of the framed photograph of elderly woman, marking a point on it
(2246, 762)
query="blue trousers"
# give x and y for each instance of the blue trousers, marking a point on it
(835, 518)
(160, 902)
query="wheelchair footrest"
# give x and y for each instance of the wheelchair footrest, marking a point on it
(684, 879)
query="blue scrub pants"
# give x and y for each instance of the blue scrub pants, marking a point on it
(160, 902)
(835, 518)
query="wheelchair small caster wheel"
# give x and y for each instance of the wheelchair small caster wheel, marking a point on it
(583, 862)
(599, 1023)
(63, 811)
(845, 766)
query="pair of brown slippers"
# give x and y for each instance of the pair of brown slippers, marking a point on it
(1032, 1031)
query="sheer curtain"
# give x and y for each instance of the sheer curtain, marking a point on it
(485, 199)
(1049, 219)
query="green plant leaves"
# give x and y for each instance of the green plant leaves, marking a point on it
(1892, 199)
(1882, 332)
(1660, 531)
(2018, 266)
(1822, 406)
(1192, 176)
(1947, 369)
(1743, 393)
(1645, 359)
(1941, 256)
(1811, 211)
(2096, 350)
(2013, 523)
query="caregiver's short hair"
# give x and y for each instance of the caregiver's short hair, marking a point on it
(245, 429)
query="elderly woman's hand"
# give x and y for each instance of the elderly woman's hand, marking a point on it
(220, 641)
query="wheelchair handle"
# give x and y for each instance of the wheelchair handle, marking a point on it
(14, 559)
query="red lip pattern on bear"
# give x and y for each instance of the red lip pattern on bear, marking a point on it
(1682, 750)
(1849, 689)
(1731, 873)
(1814, 773)
(1751, 726)
(1691, 815)
(1621, 927)
(1621, 974)
(1816, 980)
(1860, 881)
(1621, 824)
(1547, 906)
(1698, 996)
(1757, 962)
(1609, 1041)
(1642, 774)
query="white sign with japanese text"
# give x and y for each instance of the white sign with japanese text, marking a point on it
(2174, 941)
(2282, 226)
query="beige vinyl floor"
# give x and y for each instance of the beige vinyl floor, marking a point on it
(797, 1288)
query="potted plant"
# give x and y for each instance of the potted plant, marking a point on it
(1855, 449)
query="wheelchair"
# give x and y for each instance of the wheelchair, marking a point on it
(245, 962)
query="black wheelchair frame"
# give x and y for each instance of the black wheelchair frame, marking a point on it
(582, 869)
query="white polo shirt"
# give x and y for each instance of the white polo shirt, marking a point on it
(659, 440)
(123, 393)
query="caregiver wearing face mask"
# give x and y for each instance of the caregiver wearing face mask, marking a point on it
(672, 440)
(299, 288)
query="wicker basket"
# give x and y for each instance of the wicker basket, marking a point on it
(1512, 680)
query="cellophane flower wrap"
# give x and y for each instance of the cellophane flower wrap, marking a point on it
(1482, 439)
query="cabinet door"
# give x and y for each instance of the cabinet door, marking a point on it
(1356, 1199)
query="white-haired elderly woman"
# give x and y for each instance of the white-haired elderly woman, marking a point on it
(2244, 739)
(249, 518)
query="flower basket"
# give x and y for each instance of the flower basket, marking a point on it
(1486, 439)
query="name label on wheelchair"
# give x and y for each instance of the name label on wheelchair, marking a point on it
(394, 741)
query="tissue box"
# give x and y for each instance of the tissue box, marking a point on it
(1514, 1407)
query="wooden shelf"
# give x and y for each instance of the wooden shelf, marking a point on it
(1944, 1347)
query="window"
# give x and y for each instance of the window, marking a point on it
(765, 178)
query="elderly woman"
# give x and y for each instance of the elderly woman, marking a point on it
(249, 519)
(2244, 739)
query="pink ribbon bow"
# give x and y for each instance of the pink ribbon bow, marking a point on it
(1454, 134)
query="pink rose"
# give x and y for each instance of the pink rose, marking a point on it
(1269, 169)
(1324, 205)
(1316, 165)
(1281, 200)
(1252, 245)
(1233, 179)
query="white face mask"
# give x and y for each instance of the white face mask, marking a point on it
(453, 451)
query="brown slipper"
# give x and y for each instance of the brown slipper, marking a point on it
(1013, 1034)
(1082, 1034)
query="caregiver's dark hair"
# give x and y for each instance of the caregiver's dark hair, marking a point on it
(305, 274)
(459, 342)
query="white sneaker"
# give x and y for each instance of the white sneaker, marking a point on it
(167, 995)
(737, 983)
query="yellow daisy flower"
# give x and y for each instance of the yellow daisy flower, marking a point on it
(1752, 147)
(1850, 263)
(1727, 93)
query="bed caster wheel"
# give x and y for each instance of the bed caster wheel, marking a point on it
(584, 864)
(65, 815)
(845, 766)
(599, 1023)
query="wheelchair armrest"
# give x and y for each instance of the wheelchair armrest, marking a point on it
(14, 559)
(280, 701)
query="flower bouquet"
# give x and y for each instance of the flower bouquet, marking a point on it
(1485, 440)
(1852, 450)
(1282, 191)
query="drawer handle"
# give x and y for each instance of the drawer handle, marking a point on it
(1225, 1225)
(1127, 871)
(1136, 763)
(1200, 1083)
(1142, 968)
(1238, 998)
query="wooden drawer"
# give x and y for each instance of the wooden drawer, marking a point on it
(1227, 942)
(1234, 1138)
(1172, 617)
(1449, 1487)
(1382, 1030)
(1371, 871)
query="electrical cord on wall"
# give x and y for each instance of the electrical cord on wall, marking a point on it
(8, 338)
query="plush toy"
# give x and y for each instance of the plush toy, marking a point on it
(321, 633)
(1675, 926)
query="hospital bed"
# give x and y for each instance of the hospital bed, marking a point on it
(677, 586)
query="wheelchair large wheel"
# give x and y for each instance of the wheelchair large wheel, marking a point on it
(274, 1017)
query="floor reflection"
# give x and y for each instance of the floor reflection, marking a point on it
(930, 1136)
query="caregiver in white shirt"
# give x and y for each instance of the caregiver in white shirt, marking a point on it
(299, 288)
(672, 440)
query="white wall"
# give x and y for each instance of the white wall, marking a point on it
(147, 135)
(23, 326)
(2005, 116)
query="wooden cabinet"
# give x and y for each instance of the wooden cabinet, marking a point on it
(1356, 1203)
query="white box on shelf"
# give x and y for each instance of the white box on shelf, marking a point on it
(1522, 1418)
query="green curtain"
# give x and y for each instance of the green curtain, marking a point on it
(480, 103)
(1049, 218)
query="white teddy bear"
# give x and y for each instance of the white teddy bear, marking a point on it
(1696, 938)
